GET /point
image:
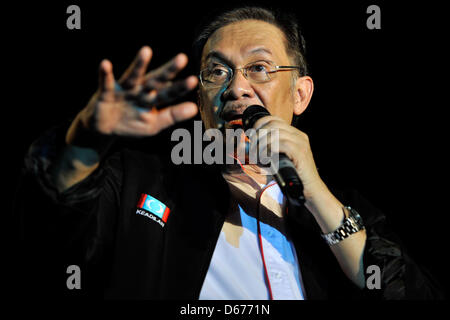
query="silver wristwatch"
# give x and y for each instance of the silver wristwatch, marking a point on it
(352, 224)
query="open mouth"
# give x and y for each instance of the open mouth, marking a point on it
(234, 121)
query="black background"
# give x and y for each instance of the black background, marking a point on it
(376, 121)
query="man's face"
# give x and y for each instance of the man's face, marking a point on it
(235, 46)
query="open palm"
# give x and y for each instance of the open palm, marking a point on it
(129, 106)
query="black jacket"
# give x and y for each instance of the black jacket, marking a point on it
(126, 255)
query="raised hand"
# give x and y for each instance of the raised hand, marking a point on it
(131, 105)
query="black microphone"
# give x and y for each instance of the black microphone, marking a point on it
(286, 175)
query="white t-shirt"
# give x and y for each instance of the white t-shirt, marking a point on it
(236, 270)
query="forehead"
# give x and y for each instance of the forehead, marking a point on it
(241, 40)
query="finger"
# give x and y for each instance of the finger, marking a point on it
(106, 77)
(265, 140)
(161, 119)
(172, 92)
(264, 121)
(267, 133)
(133, 76)
(271, 122)
(156, 78)
(286, 146)
(276, 137)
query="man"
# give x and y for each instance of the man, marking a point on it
(142, 227)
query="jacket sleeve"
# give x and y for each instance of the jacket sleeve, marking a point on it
(401, 276)
(55, 229)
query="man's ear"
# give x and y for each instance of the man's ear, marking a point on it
(304, 88)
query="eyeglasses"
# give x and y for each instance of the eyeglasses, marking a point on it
(218, 74)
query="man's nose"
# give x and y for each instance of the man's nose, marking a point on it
(239, 87)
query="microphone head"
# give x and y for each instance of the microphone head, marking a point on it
(252, 114)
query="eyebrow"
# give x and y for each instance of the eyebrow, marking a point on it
(219, 56)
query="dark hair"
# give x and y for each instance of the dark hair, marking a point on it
(286, 22)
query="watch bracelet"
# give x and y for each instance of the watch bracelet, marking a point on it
(349, 226)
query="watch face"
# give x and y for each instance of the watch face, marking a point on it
(355, 214)
(358, 219)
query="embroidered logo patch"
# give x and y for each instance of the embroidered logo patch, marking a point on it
(153, 208)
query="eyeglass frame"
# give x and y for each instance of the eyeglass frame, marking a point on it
(244, 73)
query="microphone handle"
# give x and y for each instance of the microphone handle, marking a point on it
(288, 180)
